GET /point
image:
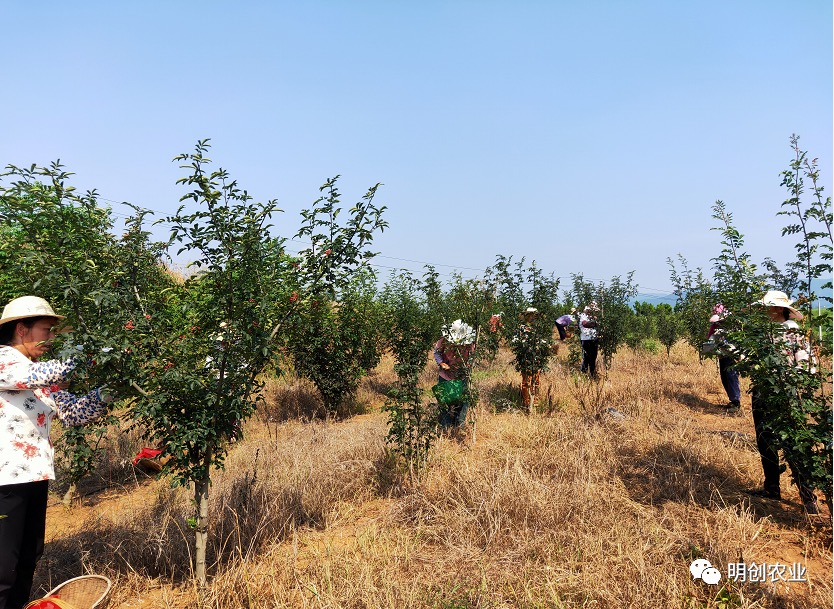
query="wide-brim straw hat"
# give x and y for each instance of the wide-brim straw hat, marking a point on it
(26, 307)
(775, 298)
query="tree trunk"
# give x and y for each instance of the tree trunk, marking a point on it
(71, 496)
(201, 495)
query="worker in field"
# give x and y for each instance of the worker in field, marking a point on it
(32, 392)
(453, 353)
(531, 344)
(767, 400)
(588, 328)
(717, 345)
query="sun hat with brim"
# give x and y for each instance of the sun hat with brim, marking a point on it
(775, 298)
(26, 307)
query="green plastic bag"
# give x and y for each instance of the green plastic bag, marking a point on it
(449, 392)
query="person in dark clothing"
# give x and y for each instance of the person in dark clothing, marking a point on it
(729, 375)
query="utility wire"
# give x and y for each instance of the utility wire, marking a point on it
(660, 292)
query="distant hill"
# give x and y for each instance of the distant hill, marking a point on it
(655, 299)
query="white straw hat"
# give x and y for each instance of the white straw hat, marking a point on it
(26, 307)
(775, 298)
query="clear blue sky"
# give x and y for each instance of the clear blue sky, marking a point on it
(592, 137)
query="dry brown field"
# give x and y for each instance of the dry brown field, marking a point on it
(571, 506)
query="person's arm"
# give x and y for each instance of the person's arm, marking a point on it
(16, 374)
(73, 410)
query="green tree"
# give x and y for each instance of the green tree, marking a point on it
(531, 342)
(615, 313)
(792, 396)
(58, 244)
(411, 328)
(695, 299)
(200, 348)
(812, 222)
(335, 337)
(668, 326)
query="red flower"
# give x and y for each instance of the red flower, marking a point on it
(29, 450)
(147, 316)
(41, 419)
(327, 252)
(169, 365)
(129, 325)
(294, 297)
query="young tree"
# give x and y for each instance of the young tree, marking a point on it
(334, 343)
(201, 347)
(794, 409)
(531, 341)
(59, 244)
(335, 338)
(695, 300)
(615, 311)
(791, 406)
(668, 326)
(411, 327)
(812, 222)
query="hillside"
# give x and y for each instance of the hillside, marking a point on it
(561, 508)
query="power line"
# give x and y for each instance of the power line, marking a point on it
(659, 291)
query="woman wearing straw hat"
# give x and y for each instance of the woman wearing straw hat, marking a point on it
(31, 394)
(781, 311)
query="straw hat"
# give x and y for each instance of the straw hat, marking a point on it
(26, 307)
(775, 298)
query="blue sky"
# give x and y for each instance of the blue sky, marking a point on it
(591, 137)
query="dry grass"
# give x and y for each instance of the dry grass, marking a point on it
(573, 506)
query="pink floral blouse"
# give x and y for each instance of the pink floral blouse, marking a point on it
(29, 398)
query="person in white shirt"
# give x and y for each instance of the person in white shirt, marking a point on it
(588, 338)
(32, 392)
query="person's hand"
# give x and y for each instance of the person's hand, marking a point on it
(444, 365)
(105, 394)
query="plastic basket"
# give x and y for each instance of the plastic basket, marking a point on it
(449, 392)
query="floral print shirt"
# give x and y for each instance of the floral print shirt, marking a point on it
(588, 332)
(29, 399)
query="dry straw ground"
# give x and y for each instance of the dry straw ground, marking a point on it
(561, 508)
